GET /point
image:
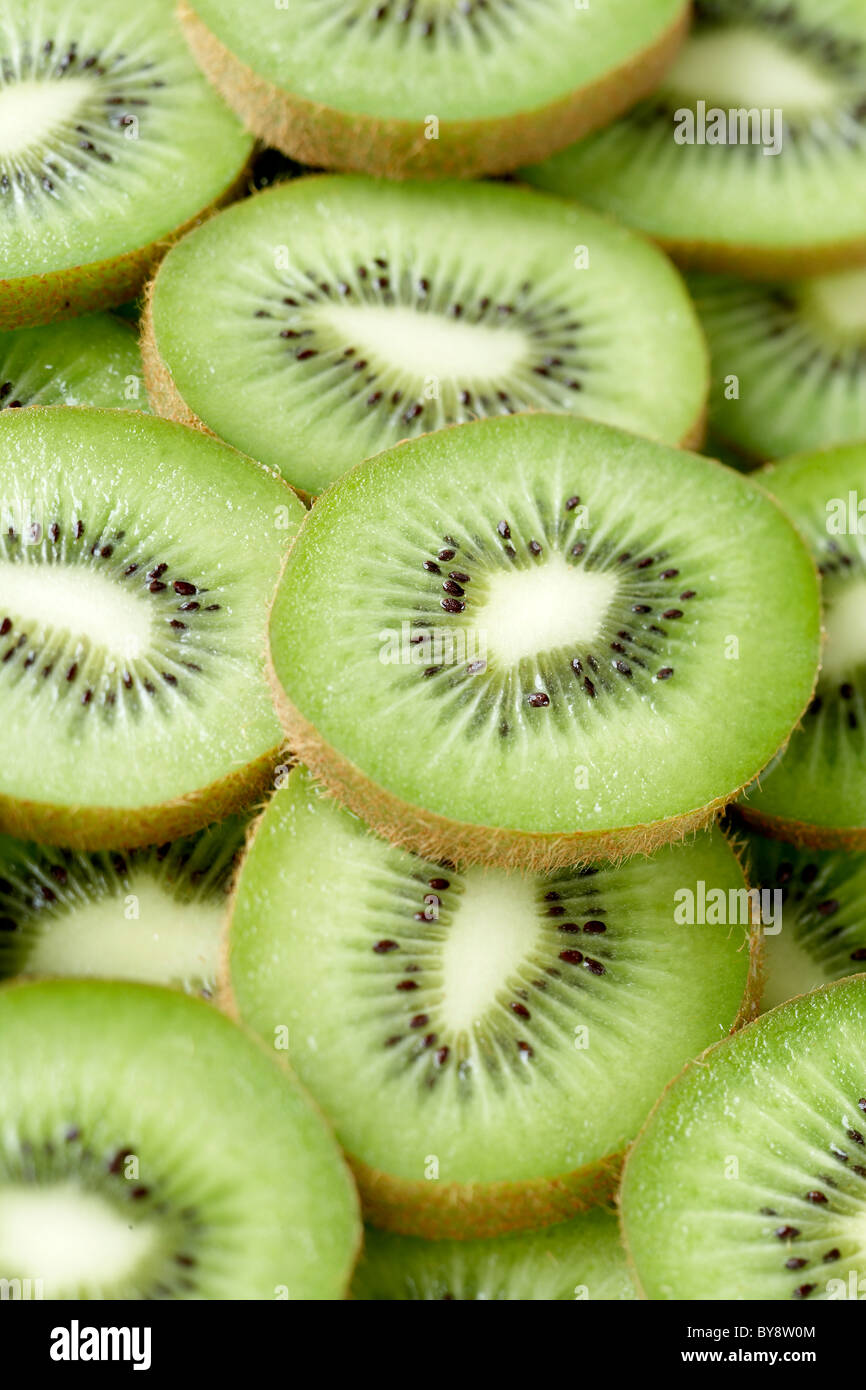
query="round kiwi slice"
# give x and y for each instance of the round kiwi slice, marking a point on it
(749, 1179)
(431, 87)
(110, 141)
(349, 315)
(578, 1259)
(752, 154)
(788, 361)
(817, 910)
(154, 915)
(485, 1042)
(93, 360)
(150, 1150)
(137, 560)
(518, 641)
(814, 792)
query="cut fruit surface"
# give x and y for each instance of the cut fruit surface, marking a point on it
(581, 1259)
(749, 1180)
(152, 915)
(93, 360)
(816, 903)
(815, 792)
(432, 87)
(788, 361)
(752, 153)
(530, 640)
(137, 560)
(350, 314)
(507, 1033)
(150, 1150)
(110, 141)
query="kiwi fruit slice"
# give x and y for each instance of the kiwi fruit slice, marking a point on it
(820, 935)
(111, 142)
(788, 361)
(581, 1259)
(349, 315)
(431, 87)
(150, 1150)
(749, 1179)
(516, 641)
(814, 792)
(93, 360)
(137, 560)
(754, 76)
(154, 915)
(486, 1042)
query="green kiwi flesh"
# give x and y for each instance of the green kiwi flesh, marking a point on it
(818, 924)
(517, 641)
(794, 77)
(485, 1042)
(426, 88)
(350, 314)
(93, 360)
(814, 793)
(788, 361)
(749, 1179)
(150, 1150)
(111, 141)
(581, 1259)
(137, 560)
(154, 915)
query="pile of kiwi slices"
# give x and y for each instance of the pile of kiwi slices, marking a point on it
(432, 650)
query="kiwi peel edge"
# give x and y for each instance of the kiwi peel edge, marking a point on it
(322, 136)
(30, 300)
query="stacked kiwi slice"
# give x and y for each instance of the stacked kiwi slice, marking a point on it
(751, 154)
(349, 315)
(432, 822)
(431, 87)
(111, 142)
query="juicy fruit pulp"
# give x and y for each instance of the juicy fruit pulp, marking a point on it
(432, 86)
(393, 311)
(822, 935)
(781, 1108)
(152, 915)
(110, 139)
(519, 640)
(137, 559)
(148, 1149)
(815, 793)
(725, 203)
(426, 1008)
(88, 361)
(579, 1260)
(798, 351)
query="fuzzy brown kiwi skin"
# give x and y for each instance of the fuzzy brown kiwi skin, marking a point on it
(436, 837)
(323, 136)
(91, 828)
(766, 262)
(29, 300)
(699, 1061)
(465, 1211)
(802, 834)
